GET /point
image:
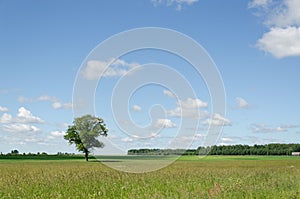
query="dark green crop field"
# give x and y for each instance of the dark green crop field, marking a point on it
(188, 177)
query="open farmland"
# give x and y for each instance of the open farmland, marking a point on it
(188, 177)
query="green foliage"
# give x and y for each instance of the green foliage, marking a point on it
(161, 152)
(84, 131)
(15, 152)
(268, 149)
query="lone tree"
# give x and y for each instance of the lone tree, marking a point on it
(15, 152)
(83, 134)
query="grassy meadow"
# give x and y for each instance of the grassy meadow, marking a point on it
(188, 177)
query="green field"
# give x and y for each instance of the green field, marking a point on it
(188, 177)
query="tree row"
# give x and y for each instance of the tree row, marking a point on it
(267, 149)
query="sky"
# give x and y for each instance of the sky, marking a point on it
(46, 46)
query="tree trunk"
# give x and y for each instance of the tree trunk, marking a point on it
(86, 155)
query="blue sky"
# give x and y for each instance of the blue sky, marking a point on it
(254, 43)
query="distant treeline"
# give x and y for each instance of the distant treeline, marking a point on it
(267, 149)
(14, 154)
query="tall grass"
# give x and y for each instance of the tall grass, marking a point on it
(203, 178)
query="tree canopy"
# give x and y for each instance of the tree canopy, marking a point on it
(84, 132)
(267, 149)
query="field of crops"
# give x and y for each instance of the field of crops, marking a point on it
(188, 177)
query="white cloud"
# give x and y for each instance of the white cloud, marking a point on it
(278, 13)
(94, 69)
(189, 108)
(30, 139)
(178, 3)
(263, 128)
(56, 103)
(154, 135)
(225, 141)
(47, 98)
(259, 3)
(57, 133)
(3, 109)
(242, 103)
(5, 118)
(20, 128)
(218, 120)
(189, 2)
(59, 105)
(190, 103)
(25, 116)
(165, 123)
(188, 113)
(200, 135)
(283, 19)
(136, 108)
(290, 126)
(127, 139)
(281, 42)
(169, 93)
(285, 14)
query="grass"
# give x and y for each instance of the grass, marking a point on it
(188, 177)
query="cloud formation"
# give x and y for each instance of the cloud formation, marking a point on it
(190, 103)
(281, 42)
(169, 93)
(259, 3)
(284, 14)
(217, 120)
(55, 102)
(136, 108)
(3, 109)
(23, 116)
(242, 103)
(20, 128)
(225, 141)
(47, 98)
(5, 118)
(189, 108)
(96, 69)
(127, 139)
(21, 123)
(165, 123)
(59, 105)
(178, 3)
(283, 20)
(56, 134)
(263, 128)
